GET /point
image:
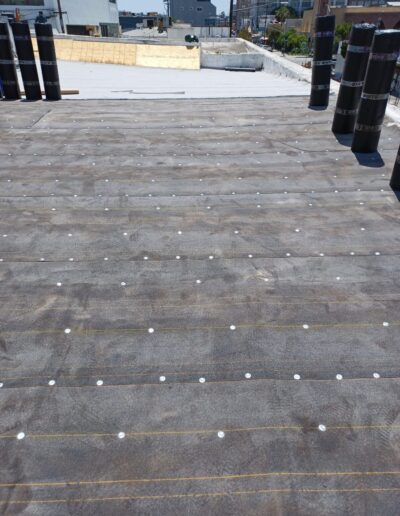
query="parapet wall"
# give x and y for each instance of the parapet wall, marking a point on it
(235, 53)
(279, 65)
(116, 51)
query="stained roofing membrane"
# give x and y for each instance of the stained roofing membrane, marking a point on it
(199, 311)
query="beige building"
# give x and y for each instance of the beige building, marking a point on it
(387, 16)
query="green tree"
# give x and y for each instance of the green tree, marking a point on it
(296, 43)
(245, 34)
(343, 31)
(291, 42)
(342, 34)
(274, 33)
(284, 12)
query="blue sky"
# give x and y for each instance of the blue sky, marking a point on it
(157, 5)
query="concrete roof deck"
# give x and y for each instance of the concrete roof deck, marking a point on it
(257, 247)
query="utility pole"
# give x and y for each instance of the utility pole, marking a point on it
(230, 18)
(60, 14)
(322, 7)
(167, 7)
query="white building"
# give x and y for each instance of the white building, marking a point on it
(83, 17)
(195, 12)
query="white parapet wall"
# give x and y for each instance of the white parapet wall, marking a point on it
(277, 64)
(239, 53)
(177, 33)
(230, 53)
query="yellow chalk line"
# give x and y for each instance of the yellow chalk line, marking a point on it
(184, 373)
(199, 495)
(153, 433)
(69, 483)
(266, 303)
(244, 326)
(163, 366)
(209, 382)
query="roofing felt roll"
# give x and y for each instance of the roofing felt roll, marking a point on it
(8, 71)
(48, 60)
(375, 93)
(395, 180)
(352, 82)
(26, 57)
(322, 61)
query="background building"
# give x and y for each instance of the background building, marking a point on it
(255, 13)
(82, 17)
(221, 20)
(385, 16)
(302, 5)
(242, 14)
(131, 21)
(195, 12)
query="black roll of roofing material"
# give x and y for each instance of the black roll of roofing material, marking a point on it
(352, 81)
(375, 93)
(8, 71)
(26, 57)
(322, 61)
(48, 60)
(395, 180)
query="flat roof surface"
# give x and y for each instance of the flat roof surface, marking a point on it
(106, 81)
(199, 311)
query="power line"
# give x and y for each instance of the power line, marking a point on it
(257, 5)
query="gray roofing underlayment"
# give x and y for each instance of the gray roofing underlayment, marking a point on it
(199, 311)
